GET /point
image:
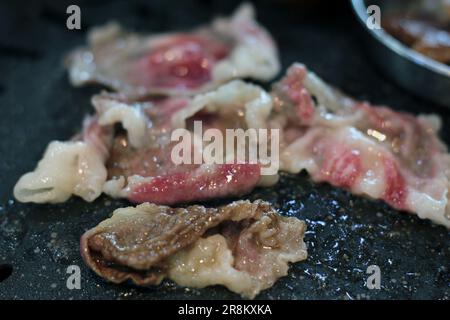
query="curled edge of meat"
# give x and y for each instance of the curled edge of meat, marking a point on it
(243, 246)
(68, 168)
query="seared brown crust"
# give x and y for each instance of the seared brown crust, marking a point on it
(133, 244)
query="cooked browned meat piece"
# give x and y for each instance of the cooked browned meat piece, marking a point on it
(244, 246)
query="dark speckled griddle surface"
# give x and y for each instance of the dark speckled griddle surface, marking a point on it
(345, 234)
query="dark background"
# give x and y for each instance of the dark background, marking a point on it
(345, 233)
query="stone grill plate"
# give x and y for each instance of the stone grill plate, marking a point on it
(345, 234)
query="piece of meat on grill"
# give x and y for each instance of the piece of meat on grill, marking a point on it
(370, 150)
(134, 159)
(147, 173)
(176, 63)
(245, 246)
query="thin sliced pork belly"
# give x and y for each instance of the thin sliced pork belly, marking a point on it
(148, 174)
(176, 63)
(133, 160)
(243, 246)
(370, 150)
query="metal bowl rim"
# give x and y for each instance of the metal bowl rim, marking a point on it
(389, 41)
